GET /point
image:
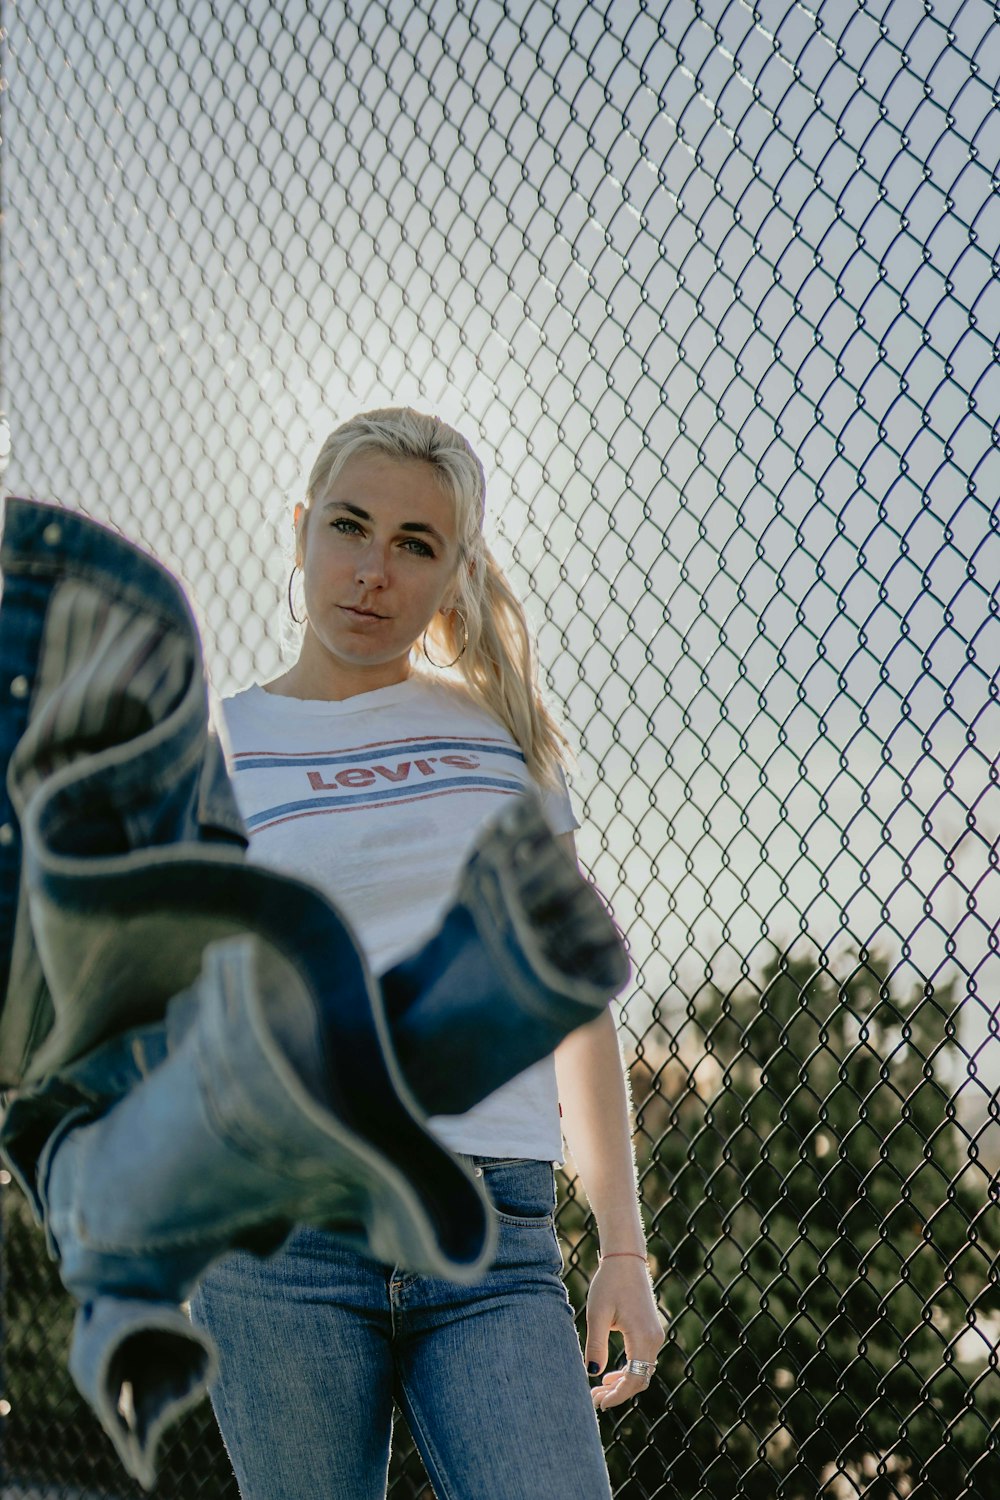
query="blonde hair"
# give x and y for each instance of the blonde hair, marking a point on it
(498, 660)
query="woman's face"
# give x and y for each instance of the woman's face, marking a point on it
(379, 555)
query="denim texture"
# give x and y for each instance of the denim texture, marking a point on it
(317, 1343)
(198, 1056)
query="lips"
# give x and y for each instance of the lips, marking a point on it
(361, 614)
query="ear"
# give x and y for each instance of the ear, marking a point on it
(299, 518)
(455, 602)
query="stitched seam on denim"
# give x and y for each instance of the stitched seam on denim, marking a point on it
(442, 1488)
(497, 1163)
(542, 1221)
(523, 1166)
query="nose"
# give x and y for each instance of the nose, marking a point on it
(370, 571)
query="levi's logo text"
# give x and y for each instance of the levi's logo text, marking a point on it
(402, 771)
(276, 786)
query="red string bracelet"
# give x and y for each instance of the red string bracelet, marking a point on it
(633, 1253)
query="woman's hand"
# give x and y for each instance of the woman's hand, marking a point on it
(621, 1298)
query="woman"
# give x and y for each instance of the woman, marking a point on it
(360, 770)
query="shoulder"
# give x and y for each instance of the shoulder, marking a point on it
(240, 707)
(245, 698)
(244, 719)
(452, 699)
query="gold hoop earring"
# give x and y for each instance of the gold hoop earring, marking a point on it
(443, 666)
(291, 606)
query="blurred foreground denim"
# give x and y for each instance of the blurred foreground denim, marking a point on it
(197, 1057)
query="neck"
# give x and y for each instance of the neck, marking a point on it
(318, 676)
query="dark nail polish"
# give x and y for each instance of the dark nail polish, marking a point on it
(593, 1368)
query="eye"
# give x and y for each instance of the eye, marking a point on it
(345, 525)
(420, 548)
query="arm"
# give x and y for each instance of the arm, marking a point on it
(594, 1097)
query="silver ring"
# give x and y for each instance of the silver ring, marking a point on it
(640, 1367)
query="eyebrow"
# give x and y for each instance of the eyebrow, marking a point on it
(415, 526)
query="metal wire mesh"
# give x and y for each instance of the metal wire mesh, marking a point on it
(713, 287)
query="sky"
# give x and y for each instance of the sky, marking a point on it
(713, 296)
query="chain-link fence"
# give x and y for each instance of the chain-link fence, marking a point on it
(714, 288)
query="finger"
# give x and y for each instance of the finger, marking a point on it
(597, 1335)
(618, 1398)
(609, 1386)
(611, 1381)
(618, 1386)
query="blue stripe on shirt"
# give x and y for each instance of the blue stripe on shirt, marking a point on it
(411, 749)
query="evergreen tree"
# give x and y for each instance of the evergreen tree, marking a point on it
(827, 1247)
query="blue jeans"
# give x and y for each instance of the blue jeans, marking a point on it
(198, 1056)
(319, 1341)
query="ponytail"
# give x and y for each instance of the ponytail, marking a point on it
(498, 663)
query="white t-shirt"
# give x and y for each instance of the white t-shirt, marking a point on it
(377, 800)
